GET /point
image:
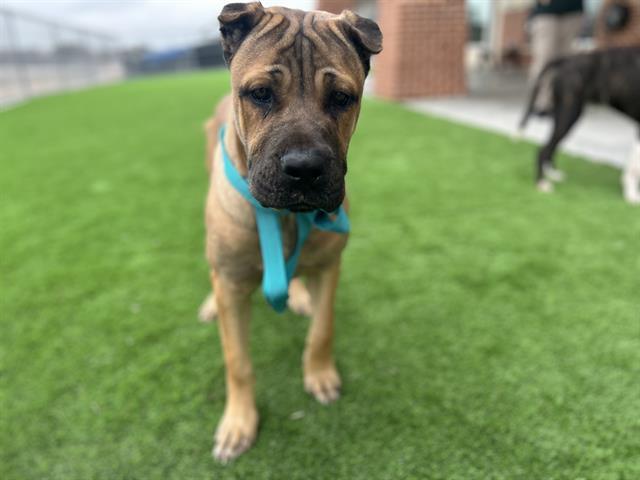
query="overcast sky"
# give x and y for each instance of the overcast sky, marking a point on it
(156, 23)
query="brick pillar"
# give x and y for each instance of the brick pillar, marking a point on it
(514, 41)
(423, 48)
(629, 36)
(336, 6)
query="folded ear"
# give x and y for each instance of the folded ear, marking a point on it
(236, 21)
(365, 35)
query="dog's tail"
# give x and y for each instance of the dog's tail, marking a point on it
(549, 67)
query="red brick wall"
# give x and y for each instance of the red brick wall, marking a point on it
(514, 41)
(629, 36)
(335, 6)
(513, 31)
(424, 44)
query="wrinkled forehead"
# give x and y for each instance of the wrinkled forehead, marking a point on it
(300, 45)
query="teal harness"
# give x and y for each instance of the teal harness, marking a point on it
(278, 273)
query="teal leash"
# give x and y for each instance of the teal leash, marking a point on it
(278, 273)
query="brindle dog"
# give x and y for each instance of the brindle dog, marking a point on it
(297, 79)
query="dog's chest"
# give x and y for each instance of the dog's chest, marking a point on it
(233, 244)
(321, 248)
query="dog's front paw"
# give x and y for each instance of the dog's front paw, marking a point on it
(208, 310)
(235, 434)
(323, 383)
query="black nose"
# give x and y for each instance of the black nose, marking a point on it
(304, 164)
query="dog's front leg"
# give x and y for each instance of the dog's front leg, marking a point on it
(237, 429)
(321, 378)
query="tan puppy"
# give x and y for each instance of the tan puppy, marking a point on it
(297, 80)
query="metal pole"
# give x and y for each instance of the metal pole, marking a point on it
(55, 42)
(103, 64)
(93, 58)
(496, 32)
(22, 74)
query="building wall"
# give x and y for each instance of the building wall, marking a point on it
(336, 6)
(366, 8)
(508, 5)
(424, 45)
(514, 33)
(627, 37)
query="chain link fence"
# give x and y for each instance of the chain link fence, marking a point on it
(39, 56)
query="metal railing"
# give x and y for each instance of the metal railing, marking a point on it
(40, 56)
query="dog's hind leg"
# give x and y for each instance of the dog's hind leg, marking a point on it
(299, 298)
(567, 110)
(299, 302)
(631, 176)
(208, 311)
(321, 378)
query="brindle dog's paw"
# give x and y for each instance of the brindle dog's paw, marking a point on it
(235, 435)
(299, 298)
(324, 384)
(208, 310)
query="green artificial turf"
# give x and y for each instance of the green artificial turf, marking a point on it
(484, 331)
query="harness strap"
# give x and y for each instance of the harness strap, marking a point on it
(278, 273)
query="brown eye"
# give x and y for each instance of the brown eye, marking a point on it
(341, 99)
(261, 95)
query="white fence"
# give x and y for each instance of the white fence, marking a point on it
(39, 56)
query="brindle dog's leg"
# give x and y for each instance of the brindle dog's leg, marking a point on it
(237, 428)
(321, 378)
